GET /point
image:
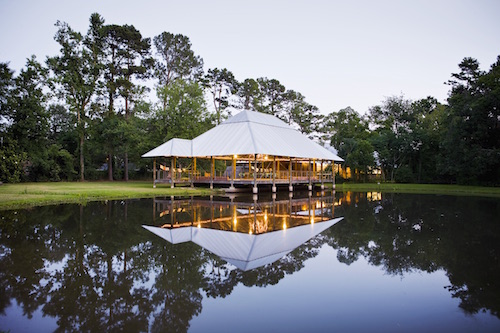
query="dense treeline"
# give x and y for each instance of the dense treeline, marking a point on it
(86, 113)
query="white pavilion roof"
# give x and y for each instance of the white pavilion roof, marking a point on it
(173, 147)
(243, 250)
(247, 133)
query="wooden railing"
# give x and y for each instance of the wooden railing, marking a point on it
(187, 176)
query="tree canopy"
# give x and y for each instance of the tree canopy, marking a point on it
(86, 111)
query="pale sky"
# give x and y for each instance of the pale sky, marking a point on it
(336, 53)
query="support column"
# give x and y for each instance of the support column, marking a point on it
(212, 172)
(154, 173)
(233, 171)
(255, 189)
(333, 175)
(321, 175)
(274, 175)
(309, 187)
(172, 172)
(193, 172)
(290, 187)
(278, 169)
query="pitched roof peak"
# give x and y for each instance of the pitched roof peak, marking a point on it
(256, 117)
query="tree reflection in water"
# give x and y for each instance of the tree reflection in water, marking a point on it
(95, 268)
(405, 233)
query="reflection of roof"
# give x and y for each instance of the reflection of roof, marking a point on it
(243, 250)
(247, 133)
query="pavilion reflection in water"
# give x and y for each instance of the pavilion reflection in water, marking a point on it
(245, 233)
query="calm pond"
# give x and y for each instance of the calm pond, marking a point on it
(319, 262)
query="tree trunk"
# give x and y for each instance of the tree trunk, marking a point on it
(126, 148)
(110, 167)
(82, 165)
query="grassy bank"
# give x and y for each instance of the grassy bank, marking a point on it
(422, 189)
(35, 194)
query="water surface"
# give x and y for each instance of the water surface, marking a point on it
(394, 263)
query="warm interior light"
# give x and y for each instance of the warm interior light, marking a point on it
(235, 156)
(250, 231)
(199, 225)
(312, 219)
(235, 221)
(284, 225)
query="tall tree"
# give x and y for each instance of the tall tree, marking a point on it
(296, 111)
(293, 106)
(137, 62)
(426, 128)
(393, 140)
(28, 114)
(186, 115)
(76, 72)
(349, 133)
(6, 86)
(12, 157)
(271, 96)
(126, 58)
(222, 85)
(346, 124)
(248, 92)
(471, 145)
(175, 60)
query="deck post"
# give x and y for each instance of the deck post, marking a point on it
(321, 175)
(255, 189)
(233, 171)
(290, 187)
(172, 172)
(309, 187)
(154, 173)
(193, 172)
(274, 175)
(211, 172)
(333, 175)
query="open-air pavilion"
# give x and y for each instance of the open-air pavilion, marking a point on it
(262, 151)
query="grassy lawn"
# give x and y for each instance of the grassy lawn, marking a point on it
(35, 194)
(421, 188)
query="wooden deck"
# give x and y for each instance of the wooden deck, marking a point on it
(246, 180)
